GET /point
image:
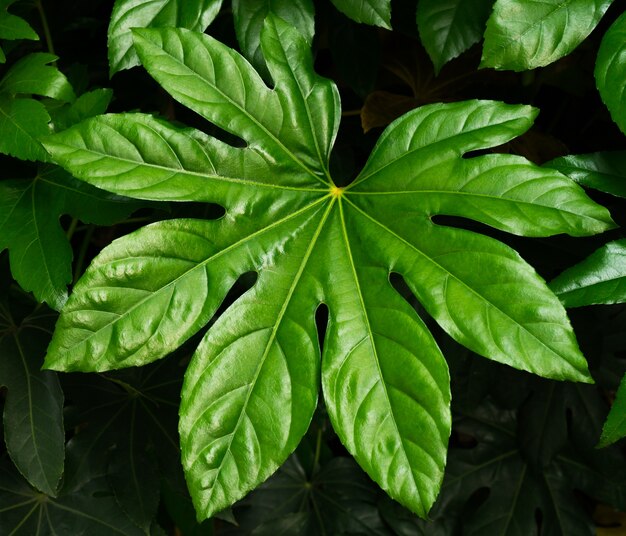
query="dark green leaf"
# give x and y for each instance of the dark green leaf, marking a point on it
(129, 14)
(29, 227)
(611, 71)
(374, 12)
(250, 14)
(525, 34)
(87, 105)
(448, 28)
(251, 387)
(615, 425)
(90, 510)
(33, 411)
(605, 171)
(12, 27)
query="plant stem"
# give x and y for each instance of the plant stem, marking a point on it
(72, 228)
(80, 261)
(318, 448)
(46, 27)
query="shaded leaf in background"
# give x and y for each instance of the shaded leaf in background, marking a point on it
(12, 27)
(250, 14)
(448, 28)
(604, 171)
(338, 499)
(373, 12)
(40, 253)
(33, 410)
(615, 425)
(252, 385)
(525, 34)
(87, 105)
(128, 14)
(610, 71)
(127, 434)
(90, 510)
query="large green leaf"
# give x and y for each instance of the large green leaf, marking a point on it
(33, 411)
(449, 28)
(128, 14)
(525, 34)
(374, 12)
(250, 14)
(12, 27)
(611, 71)
(41, 256)
(252, 385)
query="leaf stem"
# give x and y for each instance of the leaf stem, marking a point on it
(80, 261)
(318, 448)
(46, 27)
(72, 228)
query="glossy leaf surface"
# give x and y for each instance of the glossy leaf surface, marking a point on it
(374, 12)
(525, 34)
(40, 253)
(610, 71)
(128, 14)
(250, 14)
(604, 171)
(13, 27)
(33, 410)
(448, 28)
(615, 425)
(252, 385)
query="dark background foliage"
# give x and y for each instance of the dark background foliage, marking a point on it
(522, 456)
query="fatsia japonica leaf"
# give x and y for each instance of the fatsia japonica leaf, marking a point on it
(13, 27)
(252, 386)
(250, 14)
(40, 253)
(374, 12)
(33, 410)
(525, 34)
(128, 14)
(448, 28)
(610, 71)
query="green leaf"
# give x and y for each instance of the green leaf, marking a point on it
(525, 34)
(610, 71)
(449, 28)
(22, 123)
(252, 385)
(32, 75)
(598, 279)
(604, 171)
(129, 14)
(615, 425)
(33, 411)
(12, 27)
(87, 105)
(250, 14)
(374, 12)
(40, 253)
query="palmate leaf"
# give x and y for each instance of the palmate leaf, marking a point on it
(252, 385)
(448, 28)
(525, 34)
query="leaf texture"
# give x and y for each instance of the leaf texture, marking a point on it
(13, 27)
(526, 34)
(615, 425)
(252, 385)
(610, 71)
(374, 12)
